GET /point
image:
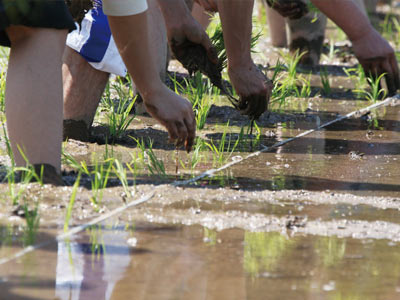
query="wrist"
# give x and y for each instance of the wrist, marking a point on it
(243, 63)
(151, 91)
(359, 34)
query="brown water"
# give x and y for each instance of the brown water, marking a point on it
(317, 218)
(149, 261)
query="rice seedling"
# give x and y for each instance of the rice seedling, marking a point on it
(388, 32)
(376, 92)
(71, 202)
(358, 78)
(121, 174)
(217, 39)
(224, 150)
(253, 142)
(135, 169)
(326, 86)
(70, 160)
(2, 88)
(209, 236)
(96, 241)
(118, 116)
(195, 156)
(99, 177)
(330, 57)
(305, 90)
(396, 38)
(32, 220)
(154, 165)
(199, 94)
(287, 83)
(18, 177)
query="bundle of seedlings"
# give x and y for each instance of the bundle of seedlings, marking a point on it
(78, 8)
(217, 40)
(194, 58)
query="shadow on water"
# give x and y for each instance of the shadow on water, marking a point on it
(287, 182)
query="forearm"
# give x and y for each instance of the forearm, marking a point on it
(347, 15)
(131, 36)
(236, 18)
(172, 10)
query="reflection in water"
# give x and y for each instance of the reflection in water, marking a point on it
(91, 270)
(191, 262)
(331, 250)
(262, 251)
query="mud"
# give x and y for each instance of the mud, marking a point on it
(125, 256)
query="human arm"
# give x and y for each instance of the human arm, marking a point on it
(175, 113)
(248, 81)
(373, 52)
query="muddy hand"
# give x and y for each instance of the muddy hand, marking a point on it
(185, 29)
(377, 57)
(253, 88)
(191, 45)
(176, 114)
(292, 9)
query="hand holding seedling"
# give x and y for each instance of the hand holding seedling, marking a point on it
(184, 31)
(377, 57)
(293, 9)
(176, 114)
(248, 81)
(253, 89)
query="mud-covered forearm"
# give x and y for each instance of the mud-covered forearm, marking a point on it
(347, 15)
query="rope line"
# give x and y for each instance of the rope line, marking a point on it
(211, 172)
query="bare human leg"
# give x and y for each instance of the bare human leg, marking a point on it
(34, 95)
(307, 35)
(277, 27)
(83, 88)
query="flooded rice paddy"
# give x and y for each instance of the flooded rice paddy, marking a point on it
(316, 218)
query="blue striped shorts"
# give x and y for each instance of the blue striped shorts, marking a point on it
(94, 42)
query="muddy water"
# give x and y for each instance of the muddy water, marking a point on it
(317, 218)
(359, 156)
(135, 260)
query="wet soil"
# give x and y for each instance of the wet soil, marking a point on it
(317, 218)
